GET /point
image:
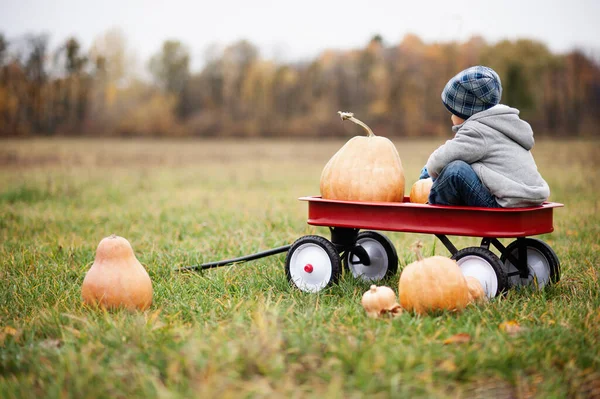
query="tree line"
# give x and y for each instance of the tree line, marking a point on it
(395, 88)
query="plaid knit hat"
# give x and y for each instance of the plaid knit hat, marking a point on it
(473, 90)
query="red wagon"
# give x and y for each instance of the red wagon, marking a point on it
(314, 262)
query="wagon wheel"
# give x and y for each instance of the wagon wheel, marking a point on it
(312, 263)
(542, 263)
(381, 260)
(485, 266)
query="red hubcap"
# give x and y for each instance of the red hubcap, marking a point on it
(308, 268)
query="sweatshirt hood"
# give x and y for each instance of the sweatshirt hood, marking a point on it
(506, 120)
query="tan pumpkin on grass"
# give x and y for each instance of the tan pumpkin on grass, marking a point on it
(366, 168)
(378, 301)
(431, 284)
(419, 192)
(116, 278)
(476, 291)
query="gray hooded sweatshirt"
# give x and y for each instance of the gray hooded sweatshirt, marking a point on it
(496, 143)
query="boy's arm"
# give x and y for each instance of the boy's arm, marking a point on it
(468, 145)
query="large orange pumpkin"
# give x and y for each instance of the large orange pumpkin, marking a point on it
(431, 284)
(366, 168)
(117, 278)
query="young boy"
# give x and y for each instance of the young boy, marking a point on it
(488, 163)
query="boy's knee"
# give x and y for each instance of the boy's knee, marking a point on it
(456, 168)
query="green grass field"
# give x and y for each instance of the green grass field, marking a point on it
(242, 331)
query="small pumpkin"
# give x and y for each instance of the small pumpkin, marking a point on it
(116, 278)
(380, 300)
(431, 284)
(476, 291)
(419, 192)
(366, 168)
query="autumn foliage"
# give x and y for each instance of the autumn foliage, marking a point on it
(395, 87)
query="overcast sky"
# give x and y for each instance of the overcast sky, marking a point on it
(301, 29)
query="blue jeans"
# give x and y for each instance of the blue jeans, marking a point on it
(457, 184)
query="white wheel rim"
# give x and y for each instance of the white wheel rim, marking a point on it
(316, 277)
(378, 257)
(538, 267)
(476, 266)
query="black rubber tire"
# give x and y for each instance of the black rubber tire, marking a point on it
(544, 249)
(388, 247)
(330, 250)
(491, 259)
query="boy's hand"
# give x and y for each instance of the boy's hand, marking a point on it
(424, 174)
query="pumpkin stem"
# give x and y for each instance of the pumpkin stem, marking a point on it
(349, 116)
(373, 288)
(113, 235)
(416, 247)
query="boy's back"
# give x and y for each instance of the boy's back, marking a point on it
(497, 144)
(488, 162)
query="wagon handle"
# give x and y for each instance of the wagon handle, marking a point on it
(349, 116)
(241, 259)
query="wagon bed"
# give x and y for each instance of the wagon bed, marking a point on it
(432, 219)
